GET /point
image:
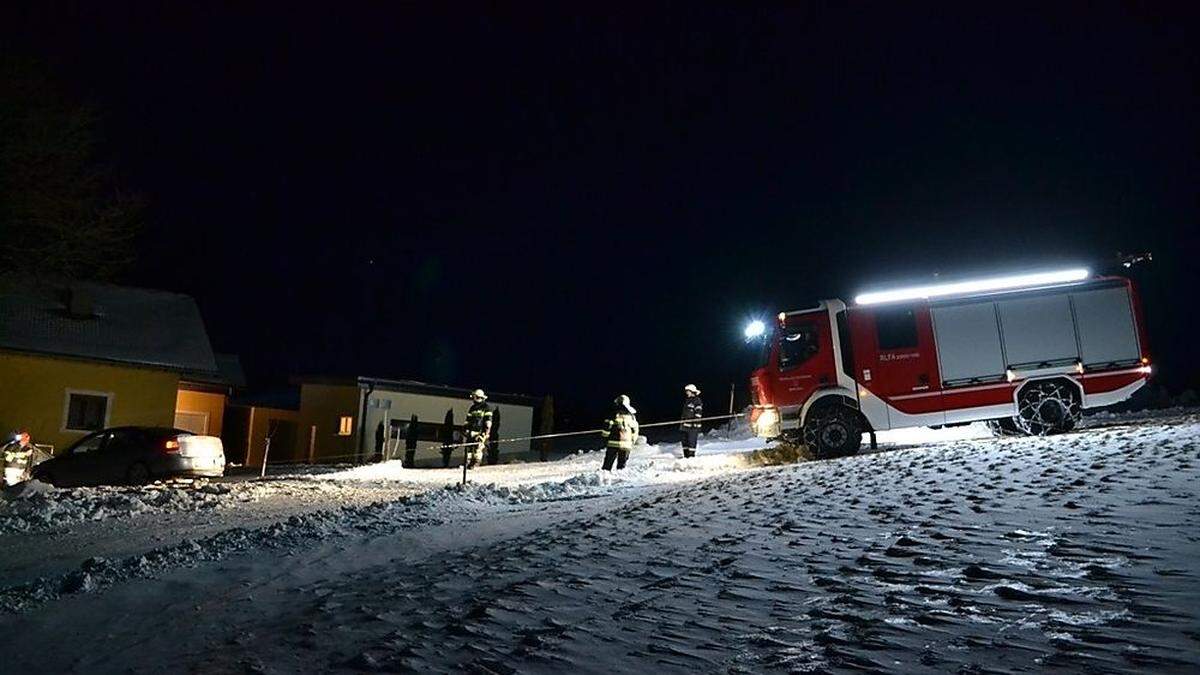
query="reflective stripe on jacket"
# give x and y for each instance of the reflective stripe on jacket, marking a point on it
(479, 418)
(17, 457)
(693, 408)
(621, 430)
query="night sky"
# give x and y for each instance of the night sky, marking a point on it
(585, 203)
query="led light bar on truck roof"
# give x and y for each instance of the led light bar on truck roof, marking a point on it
(974, 286)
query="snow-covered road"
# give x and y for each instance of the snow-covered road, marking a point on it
(1078, 552)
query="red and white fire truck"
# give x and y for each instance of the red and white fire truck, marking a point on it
(1027, 354)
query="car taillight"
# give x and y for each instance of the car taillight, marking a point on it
(171, 446)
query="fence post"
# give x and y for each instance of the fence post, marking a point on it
(266, 451)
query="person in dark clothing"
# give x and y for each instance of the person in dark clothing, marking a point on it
(448, 438)
(620, 432)
(410, 443)
(379, 438)
(478, 427)
(693, 409)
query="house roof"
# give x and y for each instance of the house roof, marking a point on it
(415, 387)
(103, 322)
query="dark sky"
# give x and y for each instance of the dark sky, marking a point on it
(551, 200)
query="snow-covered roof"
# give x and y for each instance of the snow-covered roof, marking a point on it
(416, 387)
(106, 323)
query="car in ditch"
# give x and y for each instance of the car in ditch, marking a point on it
(133, 455)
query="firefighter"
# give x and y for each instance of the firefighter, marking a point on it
(620, 432)
(478, 427)
(18, 456)
(693, 409)
(410, 443)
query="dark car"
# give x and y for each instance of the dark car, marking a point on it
(133, 455)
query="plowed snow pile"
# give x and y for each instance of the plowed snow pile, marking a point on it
(37, 507)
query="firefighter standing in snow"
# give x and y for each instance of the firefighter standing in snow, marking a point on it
(693, 409)
(478, 427)
(620, 430)
(18, 456)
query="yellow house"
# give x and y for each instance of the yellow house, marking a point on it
(79, 357)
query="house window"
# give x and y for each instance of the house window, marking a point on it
(86, 411)
(345, 425)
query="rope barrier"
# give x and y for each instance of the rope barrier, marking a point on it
(564, 434)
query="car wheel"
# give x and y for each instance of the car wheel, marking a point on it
(1050, 407)
(47, 478)
(137, 474)
(833, 431)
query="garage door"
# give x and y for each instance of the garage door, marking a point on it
(195, 422)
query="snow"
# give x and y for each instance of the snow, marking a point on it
(942, 551)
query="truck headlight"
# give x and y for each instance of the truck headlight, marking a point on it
(765, 422)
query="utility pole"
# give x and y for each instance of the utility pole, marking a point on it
(730, 398)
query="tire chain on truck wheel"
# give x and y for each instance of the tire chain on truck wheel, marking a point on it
(812, 431)
(1005, 427)
(1034, 400)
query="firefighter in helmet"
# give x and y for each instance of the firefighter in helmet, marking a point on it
(620, 432)
(18, 458)
(478, 427)
(693, 409)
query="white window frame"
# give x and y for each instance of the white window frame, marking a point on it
(200, 413)
(66, 416)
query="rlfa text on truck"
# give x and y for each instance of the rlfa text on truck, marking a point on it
(1025, 353)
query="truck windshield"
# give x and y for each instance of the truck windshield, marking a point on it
(797, 344)
(764, 348)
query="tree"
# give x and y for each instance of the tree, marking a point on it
(61, 211)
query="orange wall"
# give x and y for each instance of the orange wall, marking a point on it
(321, 406)
(203, 402)
(284, 443)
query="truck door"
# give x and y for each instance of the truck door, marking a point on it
(899, 365)
(803, 358)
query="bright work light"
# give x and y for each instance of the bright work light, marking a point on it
(976, 286)
(755, 329)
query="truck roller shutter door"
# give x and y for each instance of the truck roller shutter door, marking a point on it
(1038, 331)
(968, 343)
(1107, 336)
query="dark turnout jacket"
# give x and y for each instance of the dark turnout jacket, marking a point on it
(479, 419)
(693, 409)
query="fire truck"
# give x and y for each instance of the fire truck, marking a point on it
(1027, 354)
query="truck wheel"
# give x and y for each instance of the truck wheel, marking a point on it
(833, 431)
(1005, 426)
(1050, 407)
